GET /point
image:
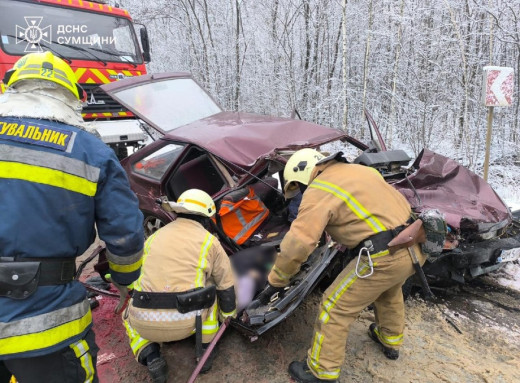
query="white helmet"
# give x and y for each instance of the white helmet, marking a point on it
(194, 201)
(298, 169)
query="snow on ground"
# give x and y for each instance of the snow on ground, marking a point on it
(505, 180)
(508, 276)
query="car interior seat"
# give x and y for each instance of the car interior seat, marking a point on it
(197, 173)
(277, 224)
(267, 192)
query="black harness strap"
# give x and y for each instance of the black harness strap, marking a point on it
(196, 299)
(53, 271)
(146, 300)
(379, 242)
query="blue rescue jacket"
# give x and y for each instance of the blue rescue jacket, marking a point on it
(57, 184)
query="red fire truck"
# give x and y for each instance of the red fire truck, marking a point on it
(98, 41)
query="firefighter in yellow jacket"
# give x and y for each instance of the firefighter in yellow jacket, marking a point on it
(355, 205)
(182, 256)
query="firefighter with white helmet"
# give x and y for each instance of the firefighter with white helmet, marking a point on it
(354, 205)
(298, 170)
(58, 183)
(180, 258)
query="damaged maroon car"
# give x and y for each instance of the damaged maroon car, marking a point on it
(483, 233)
(235, 156)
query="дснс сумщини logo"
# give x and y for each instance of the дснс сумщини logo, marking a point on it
(33, 34)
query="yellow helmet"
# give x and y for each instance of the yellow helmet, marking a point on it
(45, 66)
(194, 201)
(298, 169)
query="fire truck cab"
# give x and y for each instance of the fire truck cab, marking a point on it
(98, 41)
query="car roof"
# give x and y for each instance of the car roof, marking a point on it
(239, 138)
(243, 138)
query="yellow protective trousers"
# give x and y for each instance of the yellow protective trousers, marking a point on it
(158, 326)
(348, 296)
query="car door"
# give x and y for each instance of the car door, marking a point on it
(375, 135)
(147, 171)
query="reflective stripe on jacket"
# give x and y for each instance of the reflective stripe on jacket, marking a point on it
(45, 330)
(351, 202)
(240, 219)
(58, 183)
(179, 257)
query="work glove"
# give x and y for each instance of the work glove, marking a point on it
(223, 316)
(125, 292)
(265, 296)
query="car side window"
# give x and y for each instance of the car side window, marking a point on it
(156, 164)
(196, 171)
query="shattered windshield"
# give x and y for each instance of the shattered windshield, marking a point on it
(169, 104)
(67, 32)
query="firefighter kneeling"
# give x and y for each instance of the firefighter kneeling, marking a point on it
(355, 205)
(183, 264)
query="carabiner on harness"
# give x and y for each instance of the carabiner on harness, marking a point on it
(367, 250)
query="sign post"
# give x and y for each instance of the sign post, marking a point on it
(488, 140)
(497, 90)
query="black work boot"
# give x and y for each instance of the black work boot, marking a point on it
(209, 362)
(300, 371)
(158, 370)
(390, 353)
(151, 357)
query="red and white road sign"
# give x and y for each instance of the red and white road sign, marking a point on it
(498, 86)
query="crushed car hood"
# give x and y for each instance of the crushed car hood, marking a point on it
(467, 201)
(243, 138)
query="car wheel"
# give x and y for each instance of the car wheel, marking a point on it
(151, 224)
